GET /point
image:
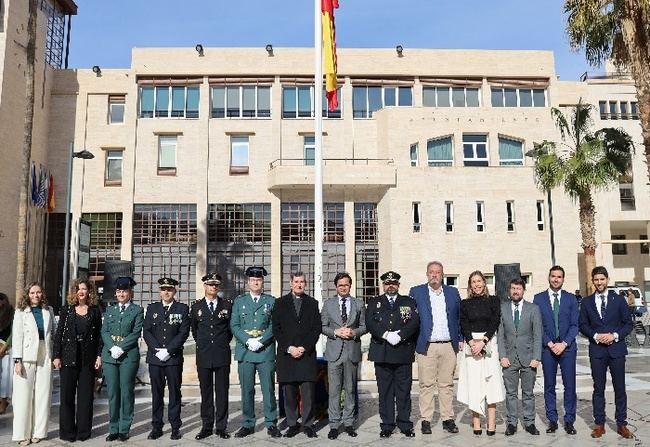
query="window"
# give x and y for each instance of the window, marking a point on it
(298, 102)
(368, 99)
(310, 151)
(626, 195)
(417, 217)
(113, 170)
(241, 101)
(619, 249)
(518, 97)
(440, 152)
(634, 110)
(167, 154)
(613, 115)
(540, 215)
(624, 114)
(450, 97)
(475, 150)
(480, 217)
(489, 279)
(451, 280)
(602, 107)
(413, 154)
(510, 216)
(169, 101)
(449, 217)
(510, 152)
(528, 278)
(239, 154)
(116, 109)
(105, 240)
(644, 247)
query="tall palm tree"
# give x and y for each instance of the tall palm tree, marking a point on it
(583, 163)
(618, 30)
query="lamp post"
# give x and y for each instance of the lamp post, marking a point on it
(85, 155)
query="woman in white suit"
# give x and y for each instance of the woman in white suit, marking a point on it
(33, 327)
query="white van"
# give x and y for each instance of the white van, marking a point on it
(639, 299)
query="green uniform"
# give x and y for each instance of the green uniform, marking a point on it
(121, 329)
(253, 320)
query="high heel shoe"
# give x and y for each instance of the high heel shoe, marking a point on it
(478, 432)
(491, 432)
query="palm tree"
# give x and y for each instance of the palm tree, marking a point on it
(618, 30)
(584, 163)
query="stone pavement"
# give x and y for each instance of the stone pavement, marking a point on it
(638, 384)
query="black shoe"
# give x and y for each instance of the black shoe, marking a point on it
(244, 431)
(532, 429)
(552, 427)
(176, 434)
(569, 428)
(350, 431)
(123, 437)
(450, 426)
(292, 431)
(426, 427)
(491, 432)
(410, 433)
(333, 434)
(67, 439)
(510, 430)
(310, 432)
(223, 434)
(273, 432)
(112, 437)
(478, 432)
(385, 433)
(204, 433)
(155, 433)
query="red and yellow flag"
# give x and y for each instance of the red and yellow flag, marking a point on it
(51, 202)
(329, 51)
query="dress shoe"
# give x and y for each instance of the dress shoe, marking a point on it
(552, 427)
(123, 437)
(491, 432)
(333, 434)
(244, 431)
(176, 434)
(532, 429)
(426, 427)
(68, 439)
(350, 431)
(310, 432)
(155, 433)
(477, 432)
(450, 426)
(292, 431)
(510, 430)
(598, 431)
(223, 434)
(273, 432)
(410, 433)
(112, 437)
(204, 433)
(569, 428)
(385, 433)
(624, 432)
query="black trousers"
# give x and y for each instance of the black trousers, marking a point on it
(76, 409)
(214, 383)
(170, 375)
(394, 386)
(307, 391)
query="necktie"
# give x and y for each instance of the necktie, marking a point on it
(391, 301)
(344, 311)
(255, 298)
(122, 307)
(602, 306)
(166, 309)
(211, 307)
(517, 316)
(556, 314)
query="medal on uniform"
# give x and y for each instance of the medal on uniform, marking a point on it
(378, 304)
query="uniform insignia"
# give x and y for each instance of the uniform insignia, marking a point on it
(378, 304)
(175, 318)
(267, 309)
(155, 315)
(200, 312)
(223, 314)
(405, 312)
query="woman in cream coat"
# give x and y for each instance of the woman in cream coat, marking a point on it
(32, 351)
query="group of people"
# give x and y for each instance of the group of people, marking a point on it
(497, 345)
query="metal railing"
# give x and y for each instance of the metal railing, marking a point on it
(307, 162)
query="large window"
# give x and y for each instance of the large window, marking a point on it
(167, 154)
(241, 101)
(440, 152)
(367, 250)
(105, 241)
(298, 102)
(368, 99)
(451, 96)
(113, 169)
(619, 249)
(116, 109)
(518, 97)
(613, 110)
(239, 154)
(511, 152)
(169, 102)
(475, 150)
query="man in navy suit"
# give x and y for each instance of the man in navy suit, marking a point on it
(438, 342)
(605, 320)
(560, 313)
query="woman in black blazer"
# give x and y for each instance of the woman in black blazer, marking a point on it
(77, 350)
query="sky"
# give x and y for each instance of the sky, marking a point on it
(104, 32)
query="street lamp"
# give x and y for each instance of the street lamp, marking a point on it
(85, 155)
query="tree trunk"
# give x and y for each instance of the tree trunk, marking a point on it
(21, 258)
(588, 232)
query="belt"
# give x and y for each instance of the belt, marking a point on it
(117, 338)
(446, 341)
(255, 332)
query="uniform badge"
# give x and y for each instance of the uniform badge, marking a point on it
(405, 312)
(175, 318)
(378, 304)
(223, 314)
(155, 315)
(199, 313)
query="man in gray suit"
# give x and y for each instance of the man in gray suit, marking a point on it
(344, 322)
(519, 341)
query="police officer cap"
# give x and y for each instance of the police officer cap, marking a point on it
(390, 277)
(124, 283)
(211, 278)
(256, 272)
(167, 282)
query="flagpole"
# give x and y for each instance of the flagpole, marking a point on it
(318, 162)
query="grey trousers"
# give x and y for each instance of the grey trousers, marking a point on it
(511, 377)
(342, 375)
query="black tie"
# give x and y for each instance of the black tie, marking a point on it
(344, 311)
(255, 298)
(211, 307)
(122, 307)
(166, 309)
(602, 306)
(516, 318)
(391, 300)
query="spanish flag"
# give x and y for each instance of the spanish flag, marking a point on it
(329, 51)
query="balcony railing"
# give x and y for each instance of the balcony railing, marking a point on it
(332, 162)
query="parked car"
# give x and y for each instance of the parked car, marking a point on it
(640, 305)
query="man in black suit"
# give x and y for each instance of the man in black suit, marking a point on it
(296, 327)
(166, 327)
(393, 322)
(210, 325)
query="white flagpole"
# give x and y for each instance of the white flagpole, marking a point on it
(318, 141)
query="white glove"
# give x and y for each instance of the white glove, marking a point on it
(254, 344)
(163, 354)
(116, 352)
(393, 338)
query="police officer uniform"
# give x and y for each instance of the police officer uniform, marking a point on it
(166, 328)
(255, 352)
(121, 358)
(210, 326)
(393, 322)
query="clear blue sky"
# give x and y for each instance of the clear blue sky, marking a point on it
(104, 32)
